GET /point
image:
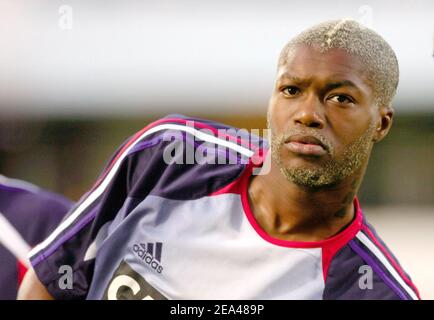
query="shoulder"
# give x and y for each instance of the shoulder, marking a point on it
(33, 211)
(176, 157)
(181, 157)
(29, 198)
(365, 268)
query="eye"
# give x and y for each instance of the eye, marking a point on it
(290, 91)
(342, 99)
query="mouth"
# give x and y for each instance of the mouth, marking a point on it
(306, 145)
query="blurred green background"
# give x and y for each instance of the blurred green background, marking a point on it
(67, 155)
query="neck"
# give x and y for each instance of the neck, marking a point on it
(291, 212)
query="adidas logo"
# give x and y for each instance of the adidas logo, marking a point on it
(150, 253)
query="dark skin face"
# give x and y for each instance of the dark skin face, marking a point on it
(309, 196)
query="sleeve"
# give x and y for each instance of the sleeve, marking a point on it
(48, 210)
(147, 163)
(68, 250)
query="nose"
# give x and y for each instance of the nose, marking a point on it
(310, 113)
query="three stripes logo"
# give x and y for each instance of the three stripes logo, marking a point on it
(150, 253)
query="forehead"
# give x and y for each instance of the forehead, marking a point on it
(309, 63)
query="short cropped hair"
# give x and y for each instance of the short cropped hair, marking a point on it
(373, 51)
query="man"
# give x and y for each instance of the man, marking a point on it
(28, 215)
(285, 224)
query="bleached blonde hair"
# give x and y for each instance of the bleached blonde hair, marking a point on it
(373, 51)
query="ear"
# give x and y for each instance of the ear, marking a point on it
(384, 123)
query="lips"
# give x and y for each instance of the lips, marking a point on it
(306, 145)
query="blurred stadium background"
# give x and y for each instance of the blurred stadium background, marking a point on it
(78, 77)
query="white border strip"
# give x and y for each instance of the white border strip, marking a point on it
(103, 185)
(13, 241)
(371, 246)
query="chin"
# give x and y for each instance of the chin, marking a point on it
(295, 162)
(309, 176)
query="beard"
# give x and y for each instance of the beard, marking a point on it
(331, 171)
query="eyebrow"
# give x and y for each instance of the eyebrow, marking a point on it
(293, 78)
(342, 83)
(328, 87)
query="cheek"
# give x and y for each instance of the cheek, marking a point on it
(278, 115)
(348, 128)
(351, 134)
